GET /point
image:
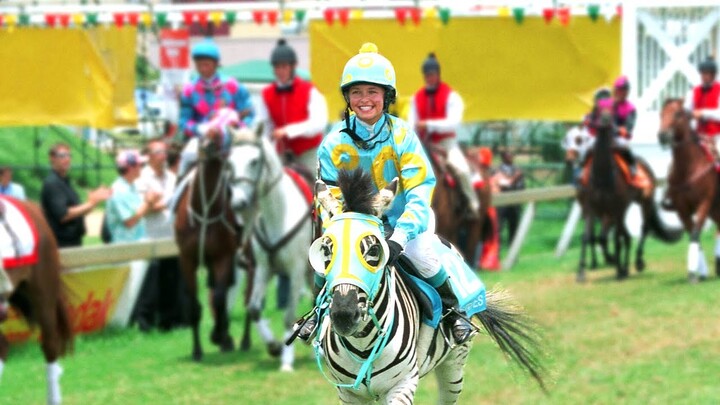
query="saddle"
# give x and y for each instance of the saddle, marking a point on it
(641, 181)
(18, 235)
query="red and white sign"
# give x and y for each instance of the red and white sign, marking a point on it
(174, 49)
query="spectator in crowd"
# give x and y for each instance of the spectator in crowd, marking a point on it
(8, 187)
(61, 203)
(293, 110)
(509, 178)
(162, 295)
(436, 112)
(173, 157)
(127, 208)
(209, 101)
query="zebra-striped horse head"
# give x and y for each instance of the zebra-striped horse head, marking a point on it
(352, 252)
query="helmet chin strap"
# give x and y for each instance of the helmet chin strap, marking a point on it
(362, 143)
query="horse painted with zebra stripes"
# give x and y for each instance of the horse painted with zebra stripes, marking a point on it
(371, 337)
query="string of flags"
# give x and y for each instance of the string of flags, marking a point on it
(332, 16)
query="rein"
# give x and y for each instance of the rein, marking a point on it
(366, 368)
(203, 218)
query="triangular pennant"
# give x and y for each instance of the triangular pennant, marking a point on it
(287, 16)
(133, 19)
(329, 15)
(416, 15)
(272, 17)
(444, 14)
(91, 19)
(401, 15)
(77, 19)
(119, 19)
(64, 20)
(230, 17)
(258, 16)
(202, 17)
(548, 14)
(50, 20)
(188, 17)
(161, 19)
(343, 16)
(300, 15)
(564, 15)
(519, 15)
(593, 11)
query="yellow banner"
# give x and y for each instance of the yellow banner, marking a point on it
(67, 76)
(503, 70)
(92, 296)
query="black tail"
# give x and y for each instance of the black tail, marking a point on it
(514, 332)
(659, 229)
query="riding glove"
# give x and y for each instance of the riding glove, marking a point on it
(394, 252)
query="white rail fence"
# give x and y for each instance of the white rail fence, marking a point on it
(73, 258)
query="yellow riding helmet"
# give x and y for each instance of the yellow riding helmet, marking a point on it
(368, 66)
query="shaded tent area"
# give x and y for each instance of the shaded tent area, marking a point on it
(256, 71)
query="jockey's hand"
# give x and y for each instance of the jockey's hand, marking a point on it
(279, 133)
(394, 252)
(623, 132)
(421, 126)
(697, 114)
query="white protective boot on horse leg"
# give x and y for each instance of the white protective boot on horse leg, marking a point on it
(287, 358)
(53, 379)
(267, 336)
(693, 261)
(702, 267)
(2, 367)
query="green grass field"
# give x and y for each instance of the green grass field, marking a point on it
(652, 339)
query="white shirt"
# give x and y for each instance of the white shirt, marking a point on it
(158, 224)
(316, 122)
(707, 113)
(455, 109)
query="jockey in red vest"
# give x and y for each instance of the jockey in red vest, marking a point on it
(704, 102)
(293, 110)
(209, 102)
(436, 111)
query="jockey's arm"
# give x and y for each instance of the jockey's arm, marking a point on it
(244, 105)
(412, 118)
(262, 117)
(630, 122)
(188, 124)
(712, 114)
(455, 109)
(317, 118)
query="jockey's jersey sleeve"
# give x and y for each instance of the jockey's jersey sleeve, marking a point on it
(395, 152)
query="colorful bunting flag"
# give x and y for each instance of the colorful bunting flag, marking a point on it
(230, 17)
(272, 17)
(548, 14)
(519, 15)
(444, 15)
(329, 15)
(287, 16)
(161, 19)
(564, 15)
(504, 11)
(300, 15)
(258, 16)
(401, 15)
(593, 11)
(343, 16)
(415, 15)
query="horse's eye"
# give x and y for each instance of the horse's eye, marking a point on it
(371, 250)
(327, 251)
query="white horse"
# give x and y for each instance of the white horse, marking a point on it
(277, 215)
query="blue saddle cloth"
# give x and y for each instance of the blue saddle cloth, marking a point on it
(428, 298)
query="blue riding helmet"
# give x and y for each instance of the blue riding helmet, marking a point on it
(206, 49)
(368, 66)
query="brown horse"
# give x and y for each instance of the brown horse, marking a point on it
(39, 296)
(606, 198)
(450, 206)
(692, 182)
(206, 232)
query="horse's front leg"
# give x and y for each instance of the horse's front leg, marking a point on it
(585, 239)
(257, 301)
(404, 391)
(222, 273)
(188, 266)
(4, 349)
(697, 266)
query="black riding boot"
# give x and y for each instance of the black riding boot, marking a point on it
(462, 330)
(308, 325)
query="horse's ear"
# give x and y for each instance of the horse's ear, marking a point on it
(326, 199)
(246, 134)
(385, 197)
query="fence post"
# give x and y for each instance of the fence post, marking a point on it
(568, 230)
(520, 235)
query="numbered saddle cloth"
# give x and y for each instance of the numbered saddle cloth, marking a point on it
(468, 288)
(18, 235)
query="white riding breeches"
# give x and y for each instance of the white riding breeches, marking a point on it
(456, 158)
(421, 253)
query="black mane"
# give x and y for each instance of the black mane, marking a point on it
(357, 190)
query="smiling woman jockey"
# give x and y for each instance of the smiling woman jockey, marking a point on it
(387, 147)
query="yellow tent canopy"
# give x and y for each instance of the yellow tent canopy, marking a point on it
(67, 76)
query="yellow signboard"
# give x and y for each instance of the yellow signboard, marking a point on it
(503, 70)
(92, 296)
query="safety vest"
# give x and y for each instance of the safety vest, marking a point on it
(290, 106)
(433, 106)
(707, 99)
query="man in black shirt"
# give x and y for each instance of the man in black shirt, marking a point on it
(60, 202)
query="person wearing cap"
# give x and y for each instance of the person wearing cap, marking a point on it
(127, 208)
(704, 102)
(60, 202)
(436, 112)
(210, 102)
(387, 147)
(293, 111)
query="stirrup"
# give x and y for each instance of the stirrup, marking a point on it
(461, 329)
(304, 328)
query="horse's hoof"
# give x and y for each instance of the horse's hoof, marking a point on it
(275, 349)
(580, 278)
(622, 275)
(640, 265)
(227, 345)
(717, 266)
(693, 278)
(244, 345)
(286, 368)
(197, 356)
